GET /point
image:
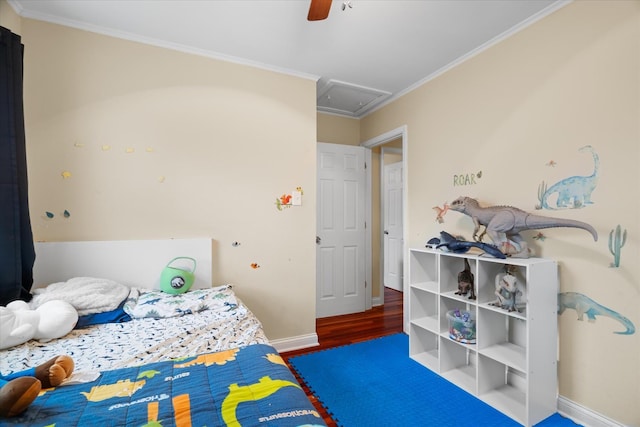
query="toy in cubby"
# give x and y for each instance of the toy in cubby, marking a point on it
(462, 326)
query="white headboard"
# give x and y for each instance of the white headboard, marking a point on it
(136, 263)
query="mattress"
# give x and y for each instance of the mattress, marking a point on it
(228, 324)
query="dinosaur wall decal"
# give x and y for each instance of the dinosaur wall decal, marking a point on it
(583, 305)
(441, 211)
(574, 191)
(503, 224)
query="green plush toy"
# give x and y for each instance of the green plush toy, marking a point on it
(174, 280)
(20, 389)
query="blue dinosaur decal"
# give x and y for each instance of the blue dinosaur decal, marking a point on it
(582, 304)
(574, 191)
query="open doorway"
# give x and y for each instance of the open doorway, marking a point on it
(391, 187)
(385, 150)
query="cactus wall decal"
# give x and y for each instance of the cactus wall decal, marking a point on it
(617, 239)
(542, 189)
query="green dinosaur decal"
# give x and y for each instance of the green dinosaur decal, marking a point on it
(265, 387)
(148, 374)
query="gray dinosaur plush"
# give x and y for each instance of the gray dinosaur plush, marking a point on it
(503, 224)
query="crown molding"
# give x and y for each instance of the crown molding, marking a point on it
(490, 43)
(155, 42)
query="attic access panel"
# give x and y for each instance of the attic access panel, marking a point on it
(348, 99)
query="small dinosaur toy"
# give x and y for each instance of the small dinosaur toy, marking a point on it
(503, 224)
(458, 246)
(506, 290)
(465, 281)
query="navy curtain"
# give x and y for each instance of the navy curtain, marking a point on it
(17, 253)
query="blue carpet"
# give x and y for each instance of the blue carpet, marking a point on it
(375, 383)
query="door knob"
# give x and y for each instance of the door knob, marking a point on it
(386, 232)
(318, 240)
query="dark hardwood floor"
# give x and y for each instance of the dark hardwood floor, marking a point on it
(350, 328)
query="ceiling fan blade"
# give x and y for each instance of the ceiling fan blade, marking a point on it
(319, 10)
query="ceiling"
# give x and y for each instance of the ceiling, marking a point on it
(364, 55)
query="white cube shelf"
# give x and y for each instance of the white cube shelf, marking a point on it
(512, 366)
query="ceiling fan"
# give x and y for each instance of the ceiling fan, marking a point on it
(319, 10)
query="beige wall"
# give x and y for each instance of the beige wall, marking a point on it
(159, 144)
(569, 80)
(9, 18)
(338, 130)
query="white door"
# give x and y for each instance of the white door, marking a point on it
(340, 251)
(392, 220)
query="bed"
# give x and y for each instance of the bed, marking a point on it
(196, 359)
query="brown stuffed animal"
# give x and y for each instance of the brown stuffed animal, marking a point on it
(19, 390)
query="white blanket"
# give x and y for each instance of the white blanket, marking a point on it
(158, 305)
(88, 295)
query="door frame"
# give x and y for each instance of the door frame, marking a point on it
(399, 132)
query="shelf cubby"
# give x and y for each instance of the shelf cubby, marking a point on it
(502, 388)
(451, 304)
(503, 337)
(457, 364)
(488, 274)
(449, 269)
(423, 272)
(424, 310)
(512, 365)
(424, 347)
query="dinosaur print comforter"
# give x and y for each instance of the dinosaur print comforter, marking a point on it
(248, 386)
(227, 323)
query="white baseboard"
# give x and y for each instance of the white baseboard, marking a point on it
(295, 343)
(584, 416)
